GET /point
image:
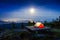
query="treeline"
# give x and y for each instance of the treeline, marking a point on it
(31, 23)
(55, 23)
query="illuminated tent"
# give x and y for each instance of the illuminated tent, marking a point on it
(39, 25)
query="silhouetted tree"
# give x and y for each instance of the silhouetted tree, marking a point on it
(31, 23)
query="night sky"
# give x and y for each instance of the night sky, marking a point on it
(44, 9)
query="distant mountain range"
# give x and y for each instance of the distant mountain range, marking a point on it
(18, 21)
(3, 22)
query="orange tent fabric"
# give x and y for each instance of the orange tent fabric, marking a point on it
(41, 26)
